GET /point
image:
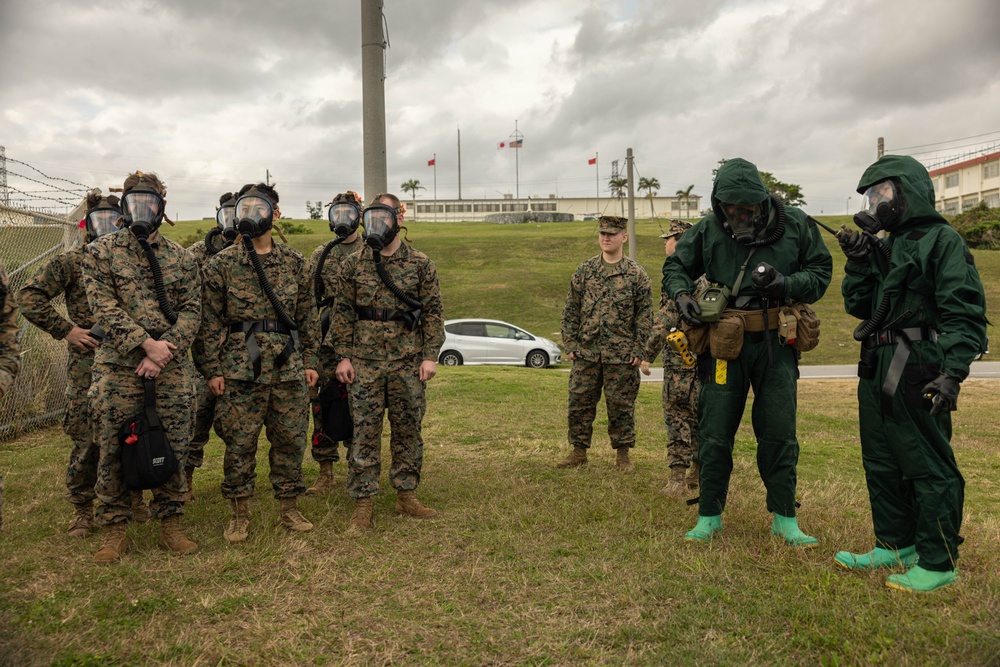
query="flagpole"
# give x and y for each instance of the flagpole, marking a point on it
(435, 161)
(459, 162)
(597, 180)
(515, 138)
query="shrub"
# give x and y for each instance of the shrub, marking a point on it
(980, 227)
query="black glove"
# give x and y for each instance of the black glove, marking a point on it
(855, 245)
(767, 281)
(943, 392)
(689, 309)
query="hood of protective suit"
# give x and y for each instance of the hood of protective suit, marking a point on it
(737, 182)
(913, 180)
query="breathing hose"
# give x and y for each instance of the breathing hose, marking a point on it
(265, 285)
(161, 291)
(318, 275)
(388, 282)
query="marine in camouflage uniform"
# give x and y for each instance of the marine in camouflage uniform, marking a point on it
(10, 355)
(605, 324)
(385, 364)
(120, 286)
(264, 381)
(680, 384)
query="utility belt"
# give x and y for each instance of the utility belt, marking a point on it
(755, 320)
(901, 338)
(250, 329)
(796, 326)
(407, 317)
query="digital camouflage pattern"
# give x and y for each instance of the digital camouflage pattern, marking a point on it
(606, 321)
(324, 448)
(608, 315)
(246, 407)
(204, 415)
(680, 384)
(386, 358)
(278, 399)
(10, 353)
(63, 275)
(232, 294)
(121, 293)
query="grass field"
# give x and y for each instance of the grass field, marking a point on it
(526, 564)
(520, 273)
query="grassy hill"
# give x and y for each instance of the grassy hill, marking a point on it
(520, 273)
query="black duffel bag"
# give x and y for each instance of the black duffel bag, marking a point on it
(148, 462)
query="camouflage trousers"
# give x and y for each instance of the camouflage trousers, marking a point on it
(246, 407)
(79, 424)
(116, 395)
(380, 386)
(204, 417)
(620, 383)
(680, 414)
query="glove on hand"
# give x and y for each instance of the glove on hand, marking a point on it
(855, 245)
(943, 391)
(767, 281)
(689, 309)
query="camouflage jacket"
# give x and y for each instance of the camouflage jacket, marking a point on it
(359, 285)
(666, 319)
(608, 316)
(232, 294)
(62, 275)
(122, 296)
(10, 356)
(199, 253)
(331, 266)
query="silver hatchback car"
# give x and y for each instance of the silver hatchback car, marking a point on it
(471, 341)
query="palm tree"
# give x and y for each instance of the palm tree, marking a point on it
(650, 185)
(617, 185)
(684, 194)
(412, 186)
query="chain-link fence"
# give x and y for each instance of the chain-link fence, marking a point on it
(28, 240)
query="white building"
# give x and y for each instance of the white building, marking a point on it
(455, 210)
(962, 186)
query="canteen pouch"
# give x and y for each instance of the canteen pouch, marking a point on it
(726, 338)
(712, 302)
(807, 336)
(787, 326)
(697, 337)
(147, 460)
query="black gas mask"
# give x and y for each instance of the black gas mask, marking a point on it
(380, 226)
(745, 222)
(103, 218)
(345, 216)
(225, 220)
(254, 213)
(142, 211)
(885, 206)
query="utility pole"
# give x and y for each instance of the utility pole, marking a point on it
(597, 179)
(267, 177)
(881, 147)
(459, 164)
(373, 47)
(4, 193)
(435, 163)
(515, 142)
(631, 205)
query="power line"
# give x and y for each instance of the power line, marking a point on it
(938, 143)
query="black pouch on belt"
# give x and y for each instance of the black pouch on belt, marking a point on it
(148, 462)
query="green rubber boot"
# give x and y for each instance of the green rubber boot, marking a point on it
(877, 557)
(919, 579)
(787, 528)
(706, 527)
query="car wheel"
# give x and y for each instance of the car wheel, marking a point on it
(451, 358)
(537, 359)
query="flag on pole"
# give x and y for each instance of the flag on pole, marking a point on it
(592, 160)
(501, 144)
(515, 143)
(430, 163)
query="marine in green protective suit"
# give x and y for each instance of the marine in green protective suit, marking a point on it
(924, 314)
(749, 227)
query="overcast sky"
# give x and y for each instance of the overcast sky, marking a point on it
(211, 94)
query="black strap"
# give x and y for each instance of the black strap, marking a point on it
(902, 339)
(379, 314)
(266, 326)
(149, 401)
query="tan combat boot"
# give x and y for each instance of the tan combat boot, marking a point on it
(407, 503)
(82, 522)
(676, 486)
(172, 537)
(238, 527)
(576, 459)
(140, 511)
(113, 546)
(622, 461)
(291, 517)
(693, 476)
(325, 480)
(361, 518)
(189, 474)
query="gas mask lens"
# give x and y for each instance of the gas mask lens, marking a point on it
(881, 192)
(225, 219)
(254, 209)
(144, 207)
(343, 218)
(743, 218)
(380, 225)
(101, 222)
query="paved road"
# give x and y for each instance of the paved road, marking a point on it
(980, 369)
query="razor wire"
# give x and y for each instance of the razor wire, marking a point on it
(28, 239)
